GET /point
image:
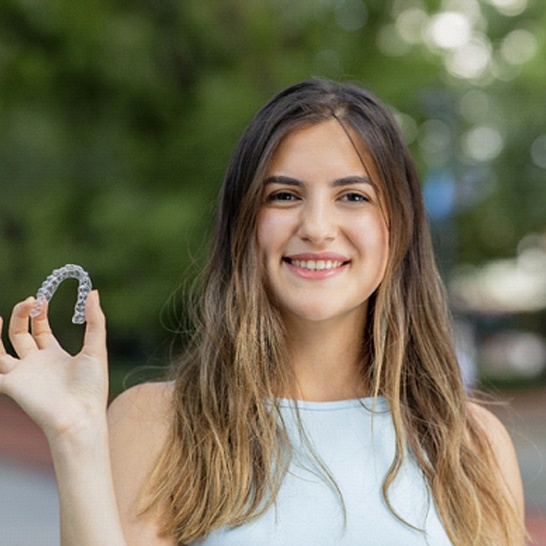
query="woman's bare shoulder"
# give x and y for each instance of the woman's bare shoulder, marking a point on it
(492, 427)
(503, 450)
(139, 423)
(145, 403)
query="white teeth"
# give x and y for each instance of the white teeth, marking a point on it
(316, 265)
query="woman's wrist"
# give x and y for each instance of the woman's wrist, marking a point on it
(79, 435)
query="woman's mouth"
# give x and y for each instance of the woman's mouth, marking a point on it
(315, 265)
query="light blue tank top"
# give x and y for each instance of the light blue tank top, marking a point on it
(357, 446)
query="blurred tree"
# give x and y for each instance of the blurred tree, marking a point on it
(117, 119)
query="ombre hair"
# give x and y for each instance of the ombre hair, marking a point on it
(228, 450)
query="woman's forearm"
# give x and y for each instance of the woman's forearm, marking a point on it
(88, 508)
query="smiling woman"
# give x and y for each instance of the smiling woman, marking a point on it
(320, 401)
(321, 229)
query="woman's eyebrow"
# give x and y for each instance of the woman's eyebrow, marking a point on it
(339, 182)
(350, 180)
(284, 180)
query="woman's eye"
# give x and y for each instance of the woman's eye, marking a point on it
(281, 196)
(355, 197)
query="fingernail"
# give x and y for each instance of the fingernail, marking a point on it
(94, 294)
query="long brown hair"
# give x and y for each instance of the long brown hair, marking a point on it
(228, 451)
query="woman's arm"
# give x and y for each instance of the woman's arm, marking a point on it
(66, 396)
(507, 467)
(505, 454)
(88, 509)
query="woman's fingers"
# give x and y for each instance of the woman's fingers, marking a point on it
(18, 330)
(95, 332)
(41, 331)
(3, 353)
(6, 361)
(2, 348)
(26, 342)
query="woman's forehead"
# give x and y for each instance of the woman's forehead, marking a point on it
(318, 138)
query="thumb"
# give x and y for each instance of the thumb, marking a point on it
(94, 343)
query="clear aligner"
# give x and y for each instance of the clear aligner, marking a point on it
(50, 285)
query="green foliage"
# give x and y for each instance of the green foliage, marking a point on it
(118, 118)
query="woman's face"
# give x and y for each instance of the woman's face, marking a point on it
(321, 230)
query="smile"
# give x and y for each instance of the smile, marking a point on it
(315, 265)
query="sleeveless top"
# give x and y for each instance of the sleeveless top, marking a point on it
(356, 445)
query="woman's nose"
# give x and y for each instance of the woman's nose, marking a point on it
(317, 223)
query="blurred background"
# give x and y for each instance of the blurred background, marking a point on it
(117, 119)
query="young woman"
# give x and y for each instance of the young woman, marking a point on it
(320, 401)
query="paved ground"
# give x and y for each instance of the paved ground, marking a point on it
(28, 495)
(29, 514)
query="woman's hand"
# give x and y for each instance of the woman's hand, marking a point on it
(63, 394)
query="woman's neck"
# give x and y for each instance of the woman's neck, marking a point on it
(327, 359)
